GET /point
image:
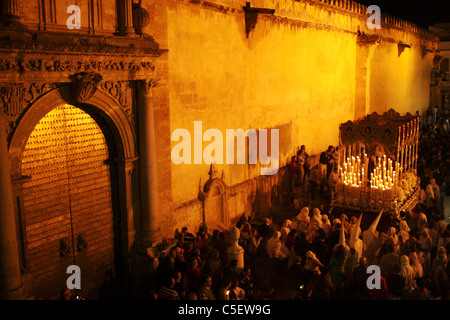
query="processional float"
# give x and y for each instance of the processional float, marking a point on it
(378, 163)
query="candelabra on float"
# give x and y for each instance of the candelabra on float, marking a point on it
(378, 162)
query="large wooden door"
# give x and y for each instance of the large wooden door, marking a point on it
(67, 202)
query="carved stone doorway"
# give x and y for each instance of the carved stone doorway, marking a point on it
(67, 203)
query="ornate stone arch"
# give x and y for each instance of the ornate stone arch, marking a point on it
(121, 140)
(100, 106)
(215, 201)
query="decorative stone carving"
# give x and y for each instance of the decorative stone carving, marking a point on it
(375, 129)
(214, 187)
(122, 91)
(146, 85)
(72, 65)
(140, 17)
(119, 90)
(34, 90)
(12, 99)
(84, 86)
(9, 65)
(15, 97)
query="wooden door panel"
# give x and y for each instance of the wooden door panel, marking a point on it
(69, 194)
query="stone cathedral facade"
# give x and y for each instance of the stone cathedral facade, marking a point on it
(87, 116)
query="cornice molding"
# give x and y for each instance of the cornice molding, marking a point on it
(31, 63)
(66, 43)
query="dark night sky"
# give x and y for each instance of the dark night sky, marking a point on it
(420, 12)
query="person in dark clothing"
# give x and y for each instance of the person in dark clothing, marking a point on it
(109, 289)
(421, 292)
(326, 158)
(322, 286)
(320, 247)
(297, 274)
(395, 283)
(333, 238)
(293, 171)
(246, 282)
(266, 230)
(167, 291)
(187, 236)
(179, 286)
(230, 271)
(166, 269)
(301, 246)
(358, 280)
(306, 170)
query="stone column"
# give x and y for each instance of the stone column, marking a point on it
(10, 10)
(148, 173)
(127, 28)
(10, 279)
(125, 168)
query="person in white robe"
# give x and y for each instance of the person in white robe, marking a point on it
(370, 237)
(326, 224)
(275, 248)
(301, 221)
(415, 264)
(355, 242)
(285, 229)
(406, 271)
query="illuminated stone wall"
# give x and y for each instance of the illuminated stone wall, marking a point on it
(404, 87)
(298, 79)
(301, 70)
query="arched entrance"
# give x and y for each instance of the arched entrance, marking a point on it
(67, 202)
(216, 211)
(77, 191)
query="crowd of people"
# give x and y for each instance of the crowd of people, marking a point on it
(318, 254)
(310, 257)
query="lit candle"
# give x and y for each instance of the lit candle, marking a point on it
(345, 152)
